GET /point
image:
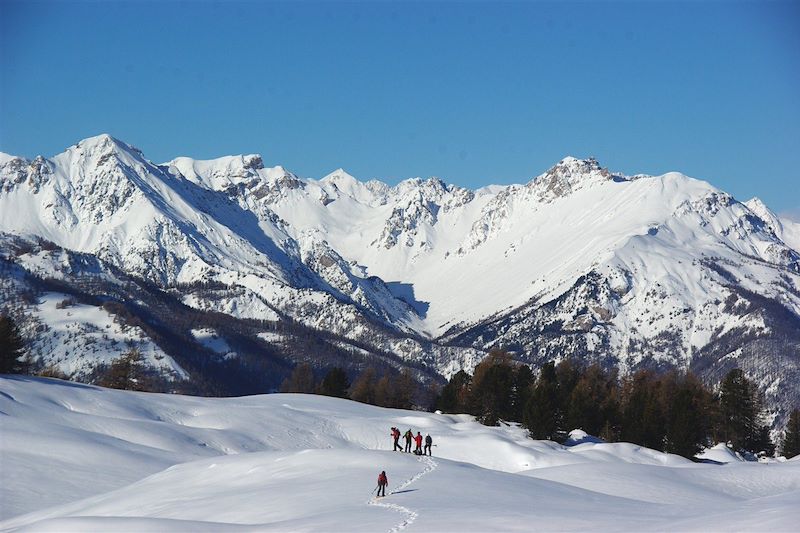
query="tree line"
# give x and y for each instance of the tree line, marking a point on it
(671, 411)
(391, 389)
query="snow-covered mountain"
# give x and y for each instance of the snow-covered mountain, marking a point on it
(633, 270)
(81, 458)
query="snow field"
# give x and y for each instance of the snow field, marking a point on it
(83, 336)
(81, 458)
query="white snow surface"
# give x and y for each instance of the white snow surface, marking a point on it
(81, 458)
(209, 338)
(80, 337)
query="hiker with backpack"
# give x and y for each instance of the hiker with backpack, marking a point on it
(396, 437)
(418, 440)
(408, 436)
(428, 444)
(382, 482)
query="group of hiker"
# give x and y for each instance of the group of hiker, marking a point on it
(419, 450)
(409, 436)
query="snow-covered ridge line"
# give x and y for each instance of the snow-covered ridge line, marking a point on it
(660, 271)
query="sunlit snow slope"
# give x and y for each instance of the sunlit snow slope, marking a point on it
(81, 458)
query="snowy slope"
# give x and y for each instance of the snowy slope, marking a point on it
(448, 252)
(77, 457)
(103, 197)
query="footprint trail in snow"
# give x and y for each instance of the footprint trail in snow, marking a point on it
(410, 515)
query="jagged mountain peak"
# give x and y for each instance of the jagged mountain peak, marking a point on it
(575, 168)
(578, 261)
(432, 183)
(571, 174)
(339, 175)
(757, 206)
(787, 230)
(104, 144)
(343, 181)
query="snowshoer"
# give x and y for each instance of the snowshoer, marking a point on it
(382, 482)
(396, 437)
(428, 444)
(408, 436)
(418, 440)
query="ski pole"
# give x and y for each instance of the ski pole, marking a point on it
(373, 490)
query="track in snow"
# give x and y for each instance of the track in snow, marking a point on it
(430, 466)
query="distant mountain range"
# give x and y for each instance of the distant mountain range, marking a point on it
(229, 272)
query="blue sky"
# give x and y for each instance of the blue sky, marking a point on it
(474, 93)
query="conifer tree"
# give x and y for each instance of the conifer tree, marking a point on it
(454, 397)
(432, 394)
(404, 389)
(383, 392)
(301, 380)
(127, 372)
(11, 347)
(567, 376)
(520, 395)
(686, 406)
(491, 388)
(363, 389)
(335, 383)
(593, 401)
(542, 410)
(642, 413)
(741, 413)
(791, 438)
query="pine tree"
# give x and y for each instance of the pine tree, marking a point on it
(593, 401)
(404, 390)
(791, 438)
(335, 383)
(127, 372)
(542, 411)
(642, 412)
(11, 347)
(363, 389)
(491, 388)
(383, 392)
(686, 407)
(741, 412)
(520, 395)
(302, 380)
(455, 395)
(567, 375)
(432, 395)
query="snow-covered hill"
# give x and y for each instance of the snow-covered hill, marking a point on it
(658, 271)
(82, 458)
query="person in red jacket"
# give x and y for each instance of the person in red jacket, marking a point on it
(396, 437)
(418, 440)
(382, 482)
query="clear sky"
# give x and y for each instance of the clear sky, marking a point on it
(474, 93)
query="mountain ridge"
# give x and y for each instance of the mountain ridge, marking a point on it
(579, 261)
